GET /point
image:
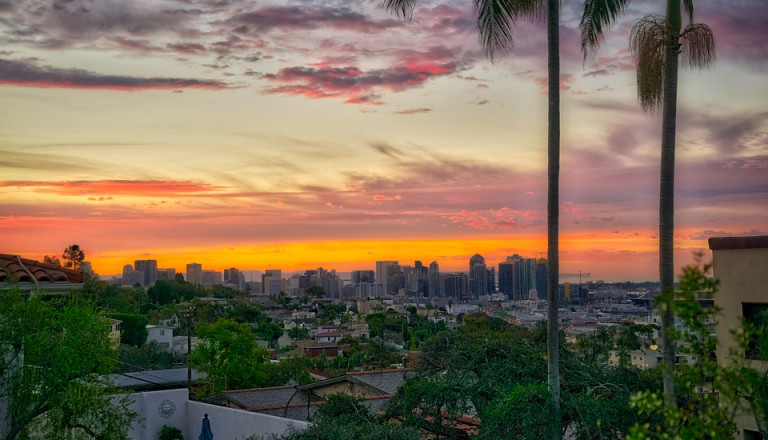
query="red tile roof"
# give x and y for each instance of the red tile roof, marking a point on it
(17, 269)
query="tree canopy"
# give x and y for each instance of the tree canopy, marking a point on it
(57, 348)
(73, 256)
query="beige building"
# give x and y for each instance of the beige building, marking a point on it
(741, 265)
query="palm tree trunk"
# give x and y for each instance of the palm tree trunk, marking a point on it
(667, 197)
(553, 210)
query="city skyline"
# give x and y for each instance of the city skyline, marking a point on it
(328, 134)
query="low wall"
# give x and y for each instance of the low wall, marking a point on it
(235, 424)
(173, 408)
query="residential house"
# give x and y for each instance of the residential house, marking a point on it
(162, 335)
(299, 402)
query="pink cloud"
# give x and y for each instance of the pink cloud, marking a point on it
(380, 197)
(355, 85)
(413, 111)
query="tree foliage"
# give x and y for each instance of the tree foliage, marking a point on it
(705, 393)
(133, 328)
(73, 256)
(343, 417)
(51, 259)
(497, 372)
(230, 357)
(150, 356)
(52, 353)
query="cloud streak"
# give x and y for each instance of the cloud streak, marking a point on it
(21, 73)
(136, 188)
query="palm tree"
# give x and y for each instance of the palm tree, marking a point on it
(657, 43)
(495, 20)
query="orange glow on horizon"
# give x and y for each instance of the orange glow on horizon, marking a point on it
(606, 256)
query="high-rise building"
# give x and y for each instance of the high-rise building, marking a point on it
(435, 287)
(272, 281)
(235, 278)
(195, 273)
(363, 276)
(210, 278)
(132, 277)
(455, 286)
(478, 276)
(149, 270)
(167, 274)
(389, 275)
(506, 278)
(541, 278)
(517, 277)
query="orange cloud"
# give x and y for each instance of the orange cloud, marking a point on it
(137, 188)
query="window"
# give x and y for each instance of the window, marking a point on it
(757, 315)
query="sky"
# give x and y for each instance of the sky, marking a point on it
(300, 134)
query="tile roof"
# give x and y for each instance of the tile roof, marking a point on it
(265, 398)
(17, 269)
(385, 380)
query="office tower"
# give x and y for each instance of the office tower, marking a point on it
(363, 276)
(434, 286)
(149, 269)
(478, 276)
(131, 277)
(211, 278)
(235, 278)
(329, 281)
(541, 278)
(491, 280)
(167, 274)
(506, 277)
(272, 281)
(195, 273)
(455, 286)
(519, 277)
(389, 275)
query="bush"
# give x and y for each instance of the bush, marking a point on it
(170, 433)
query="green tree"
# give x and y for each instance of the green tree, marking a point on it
(73, 256)
(316, 292)
(51, 354)
(133, 328)
(706, 393)
(230, 357)
(523, 413)
(151, 356)
(657, 43)
(170, 433)
(298, 333)
(342, 417)
(497, 372)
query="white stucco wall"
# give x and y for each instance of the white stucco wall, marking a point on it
(173, 408)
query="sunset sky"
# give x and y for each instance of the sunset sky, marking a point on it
(305, 133)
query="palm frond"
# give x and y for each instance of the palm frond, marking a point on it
(648, 41)
(401, 8)
(495, 20)
(698, 46)
(598, 14)
(688, 5)
(533, 10)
